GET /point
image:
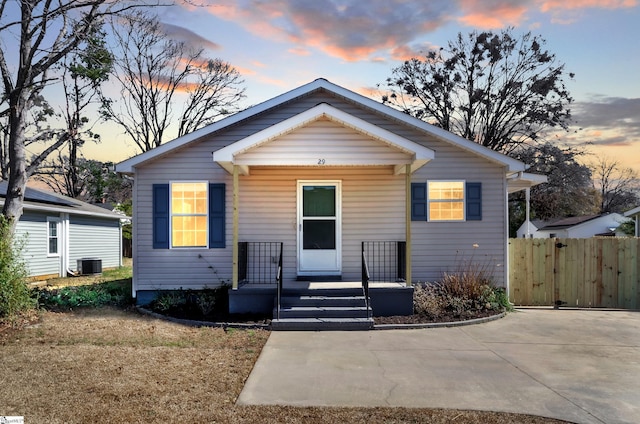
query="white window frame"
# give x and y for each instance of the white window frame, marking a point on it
(171, 214)
(58, 223)
(463, 200)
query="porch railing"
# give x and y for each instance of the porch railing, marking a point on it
(365, 279)
(259, 262)
(279, 280)
(386, 260)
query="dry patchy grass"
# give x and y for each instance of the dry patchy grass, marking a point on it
(109, 365)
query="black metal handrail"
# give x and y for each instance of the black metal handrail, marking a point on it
(279, 280)
(258, 262)
(365, 279)
(386, 260)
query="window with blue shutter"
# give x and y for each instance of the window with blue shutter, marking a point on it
(450, 201)
(418, 201)
(217, 236)
(161, 216)
(188, 216)
(474, 201)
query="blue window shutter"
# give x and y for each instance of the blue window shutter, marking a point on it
(217, 234)
(418, 201)
(474, 201)
(161, 216)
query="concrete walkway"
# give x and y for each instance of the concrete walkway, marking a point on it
(577, 365)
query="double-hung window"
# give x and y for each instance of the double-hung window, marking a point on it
(189, 216)
(445, 200)
(53, 237)
(451, 200)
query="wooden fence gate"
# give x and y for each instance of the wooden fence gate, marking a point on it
(591, 272)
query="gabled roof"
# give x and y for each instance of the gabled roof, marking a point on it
(46, 201)
(511, 164)
(575, 221)
(420, 155)
(568, 222)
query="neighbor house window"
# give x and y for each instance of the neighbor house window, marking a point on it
(53, 237)
(189, 217)
(446, 200)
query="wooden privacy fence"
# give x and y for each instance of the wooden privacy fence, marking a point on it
(599, 272)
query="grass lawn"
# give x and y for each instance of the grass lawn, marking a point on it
(99, 365)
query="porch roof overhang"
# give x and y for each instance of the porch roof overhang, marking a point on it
(414, 154)
(522, 180)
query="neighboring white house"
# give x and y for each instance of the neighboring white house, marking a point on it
(635, 215)
(325, 173)
(59, 231)
(574, 227)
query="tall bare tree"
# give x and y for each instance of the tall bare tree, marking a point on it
(153, 70)
(496, 89)
(36, 35)
(618, 186)
(82, 74)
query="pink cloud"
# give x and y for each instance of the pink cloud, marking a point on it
(354, 30)
(492, 14)
(550, 5)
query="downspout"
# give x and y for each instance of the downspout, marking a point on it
(506, 239)
(527, 208)
(65, 243)
(235, 252)
(407, 220)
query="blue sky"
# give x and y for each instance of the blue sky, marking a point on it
(278, 45)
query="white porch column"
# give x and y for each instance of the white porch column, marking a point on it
(236, 220)
(407, 221)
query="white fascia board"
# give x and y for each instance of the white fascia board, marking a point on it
(127, 166)
(225, 156)
(522, 180)
(513, 165)
(632, 212)
(54, 209)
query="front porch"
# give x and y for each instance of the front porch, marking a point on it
(382, 290)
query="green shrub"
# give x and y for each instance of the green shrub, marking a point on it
(112, 293)
(195, 304)
(15, 296)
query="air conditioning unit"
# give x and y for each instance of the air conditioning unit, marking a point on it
(89, 266)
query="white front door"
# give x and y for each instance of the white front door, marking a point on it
(319, 228)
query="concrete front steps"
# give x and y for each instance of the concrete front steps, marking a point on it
(322, 309)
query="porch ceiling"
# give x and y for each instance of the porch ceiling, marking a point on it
(381, 147)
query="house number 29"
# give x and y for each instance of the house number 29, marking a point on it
(321, 161)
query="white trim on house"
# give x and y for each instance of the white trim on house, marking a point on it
(523, 180)
(229, 155)
(512, 165)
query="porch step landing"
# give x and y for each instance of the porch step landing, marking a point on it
(326, 309)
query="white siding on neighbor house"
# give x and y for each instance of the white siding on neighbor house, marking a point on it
(94, 238)
(372, 200)
(32, 228)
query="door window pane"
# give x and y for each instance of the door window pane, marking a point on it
(319, 201)
(319, 234)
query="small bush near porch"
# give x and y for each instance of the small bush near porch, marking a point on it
(466, 293)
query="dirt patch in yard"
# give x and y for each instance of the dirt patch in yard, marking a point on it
(111, 365)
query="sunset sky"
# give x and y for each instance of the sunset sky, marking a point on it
(278, 45)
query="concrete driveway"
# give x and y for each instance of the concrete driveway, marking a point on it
(577, 365)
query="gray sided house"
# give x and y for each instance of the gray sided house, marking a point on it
(310, 186)
(58, 231)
